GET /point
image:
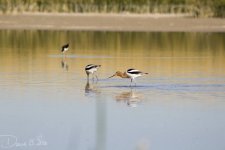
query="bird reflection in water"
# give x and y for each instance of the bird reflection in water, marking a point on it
(64, 65)
(131, 98)
(91, 88)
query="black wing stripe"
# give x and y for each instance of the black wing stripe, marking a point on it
(66, 46)
(129, 70)
(88, 67)
(135, 72)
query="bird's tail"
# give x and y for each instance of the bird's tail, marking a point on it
(145, 73)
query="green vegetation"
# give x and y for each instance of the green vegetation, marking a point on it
(197, 8)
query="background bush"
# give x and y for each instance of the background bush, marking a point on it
(197, 8)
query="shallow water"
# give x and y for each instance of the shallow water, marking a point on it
(47, 103)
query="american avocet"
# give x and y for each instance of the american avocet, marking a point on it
(91, 69)
(130, 73)
(65, 48)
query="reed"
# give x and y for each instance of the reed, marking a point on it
(197, 8)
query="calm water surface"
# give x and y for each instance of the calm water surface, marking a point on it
(47, 104)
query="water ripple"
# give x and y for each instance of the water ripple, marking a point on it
(173, 87)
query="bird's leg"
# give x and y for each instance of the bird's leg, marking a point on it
(131, 80)
(63, 55)
(88, 77)
(134, 82)
(96, 77)
(93, 77)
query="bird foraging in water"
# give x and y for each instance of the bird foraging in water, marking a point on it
(65, 48)
(130, 73)
(91, 69)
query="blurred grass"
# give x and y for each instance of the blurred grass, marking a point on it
(197, 8)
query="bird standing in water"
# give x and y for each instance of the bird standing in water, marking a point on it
(65, 48)
(91, 69)
(130, 73)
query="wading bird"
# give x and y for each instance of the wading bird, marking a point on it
(91, 69)
(130, 73)
(65, 48)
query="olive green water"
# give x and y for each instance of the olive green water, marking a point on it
(46, 102)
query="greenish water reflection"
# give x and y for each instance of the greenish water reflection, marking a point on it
(160, 53)
(150, 43)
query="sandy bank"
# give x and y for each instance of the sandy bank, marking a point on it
(112, 22)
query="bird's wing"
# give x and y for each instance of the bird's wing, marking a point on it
(133, 71)
(91, 66)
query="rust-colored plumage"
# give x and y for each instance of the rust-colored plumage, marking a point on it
(120, 74)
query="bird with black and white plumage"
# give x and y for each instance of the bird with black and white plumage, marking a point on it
(91, 69)
(130, 73)
(65, 48)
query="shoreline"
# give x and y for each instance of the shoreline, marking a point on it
(111, 22)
